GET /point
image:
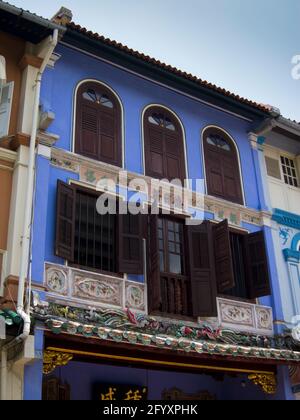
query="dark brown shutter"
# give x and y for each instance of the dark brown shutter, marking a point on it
(65, 221)
(154, 284)
(203, 281)
(164, 150)
(98, 127)
(223, 258)
(257, 265)
(131, 244)
(87, 142)
(222, 169)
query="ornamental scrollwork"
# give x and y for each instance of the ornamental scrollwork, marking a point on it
(267, 382)
(54, 359)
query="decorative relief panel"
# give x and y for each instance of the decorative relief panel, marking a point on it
(237, 313)
(57, 281)
(243, 316)
(135, 296)
(72, 285)
(105, 290)
(264, 318)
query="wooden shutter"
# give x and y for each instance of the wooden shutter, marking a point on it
(131, 244)
(164, 151)
(6, 93)
(222, 169)
(98, 127)
(174, 157)
(257, 265)
(223, 258)
(88, 139)
(154, 151)
(203, 281)
(65, 221)
(154, 283)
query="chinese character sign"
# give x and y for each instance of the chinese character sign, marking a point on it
(105, 392)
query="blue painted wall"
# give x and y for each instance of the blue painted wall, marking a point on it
(82, 376)
(136, 93)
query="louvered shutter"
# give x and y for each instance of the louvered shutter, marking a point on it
(98, 126)
(65, 221)
(154, 283)
(223, 258)
(214, 176)
(6, 94)
(164, 150)
(154, 152)
(203, 281)
(131, 244)
(257, 265)
(174, 156)
(88, 144)
(222, 169)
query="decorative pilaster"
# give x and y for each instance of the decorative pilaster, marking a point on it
(257, 149)
(54, 359)
(267, 382)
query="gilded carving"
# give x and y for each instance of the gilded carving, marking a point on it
(54, 359)
(267, 382)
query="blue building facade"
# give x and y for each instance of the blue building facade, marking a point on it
(196, 321)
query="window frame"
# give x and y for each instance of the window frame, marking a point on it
(121, 134)
(9, 104)
(158, 108)
(220, 131)
(292, 159)
(87, 268)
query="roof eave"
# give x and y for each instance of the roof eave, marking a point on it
(101, 49)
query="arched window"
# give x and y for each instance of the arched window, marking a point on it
(164, 150)
(222, 166)
(98, 124)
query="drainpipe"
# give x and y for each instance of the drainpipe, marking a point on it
(25, 245)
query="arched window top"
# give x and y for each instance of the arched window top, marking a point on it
(164, 145)
(98, 124)
(223, 176)
(215, 139)
(161, 120)
(97, 97)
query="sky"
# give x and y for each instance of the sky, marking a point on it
(245, 46)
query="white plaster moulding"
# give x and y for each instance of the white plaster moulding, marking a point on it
(66, 156)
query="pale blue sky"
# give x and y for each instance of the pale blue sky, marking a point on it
(245, 46)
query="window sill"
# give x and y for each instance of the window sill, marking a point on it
(95, 271)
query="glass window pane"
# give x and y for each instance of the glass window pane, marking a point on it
(175, 264)
(171, 247)
(161, 261)
(171, 236)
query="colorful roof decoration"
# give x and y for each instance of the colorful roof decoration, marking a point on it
(138, 329)
(11, 317)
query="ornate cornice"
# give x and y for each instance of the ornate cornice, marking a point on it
(291, 255)
(287, 219)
